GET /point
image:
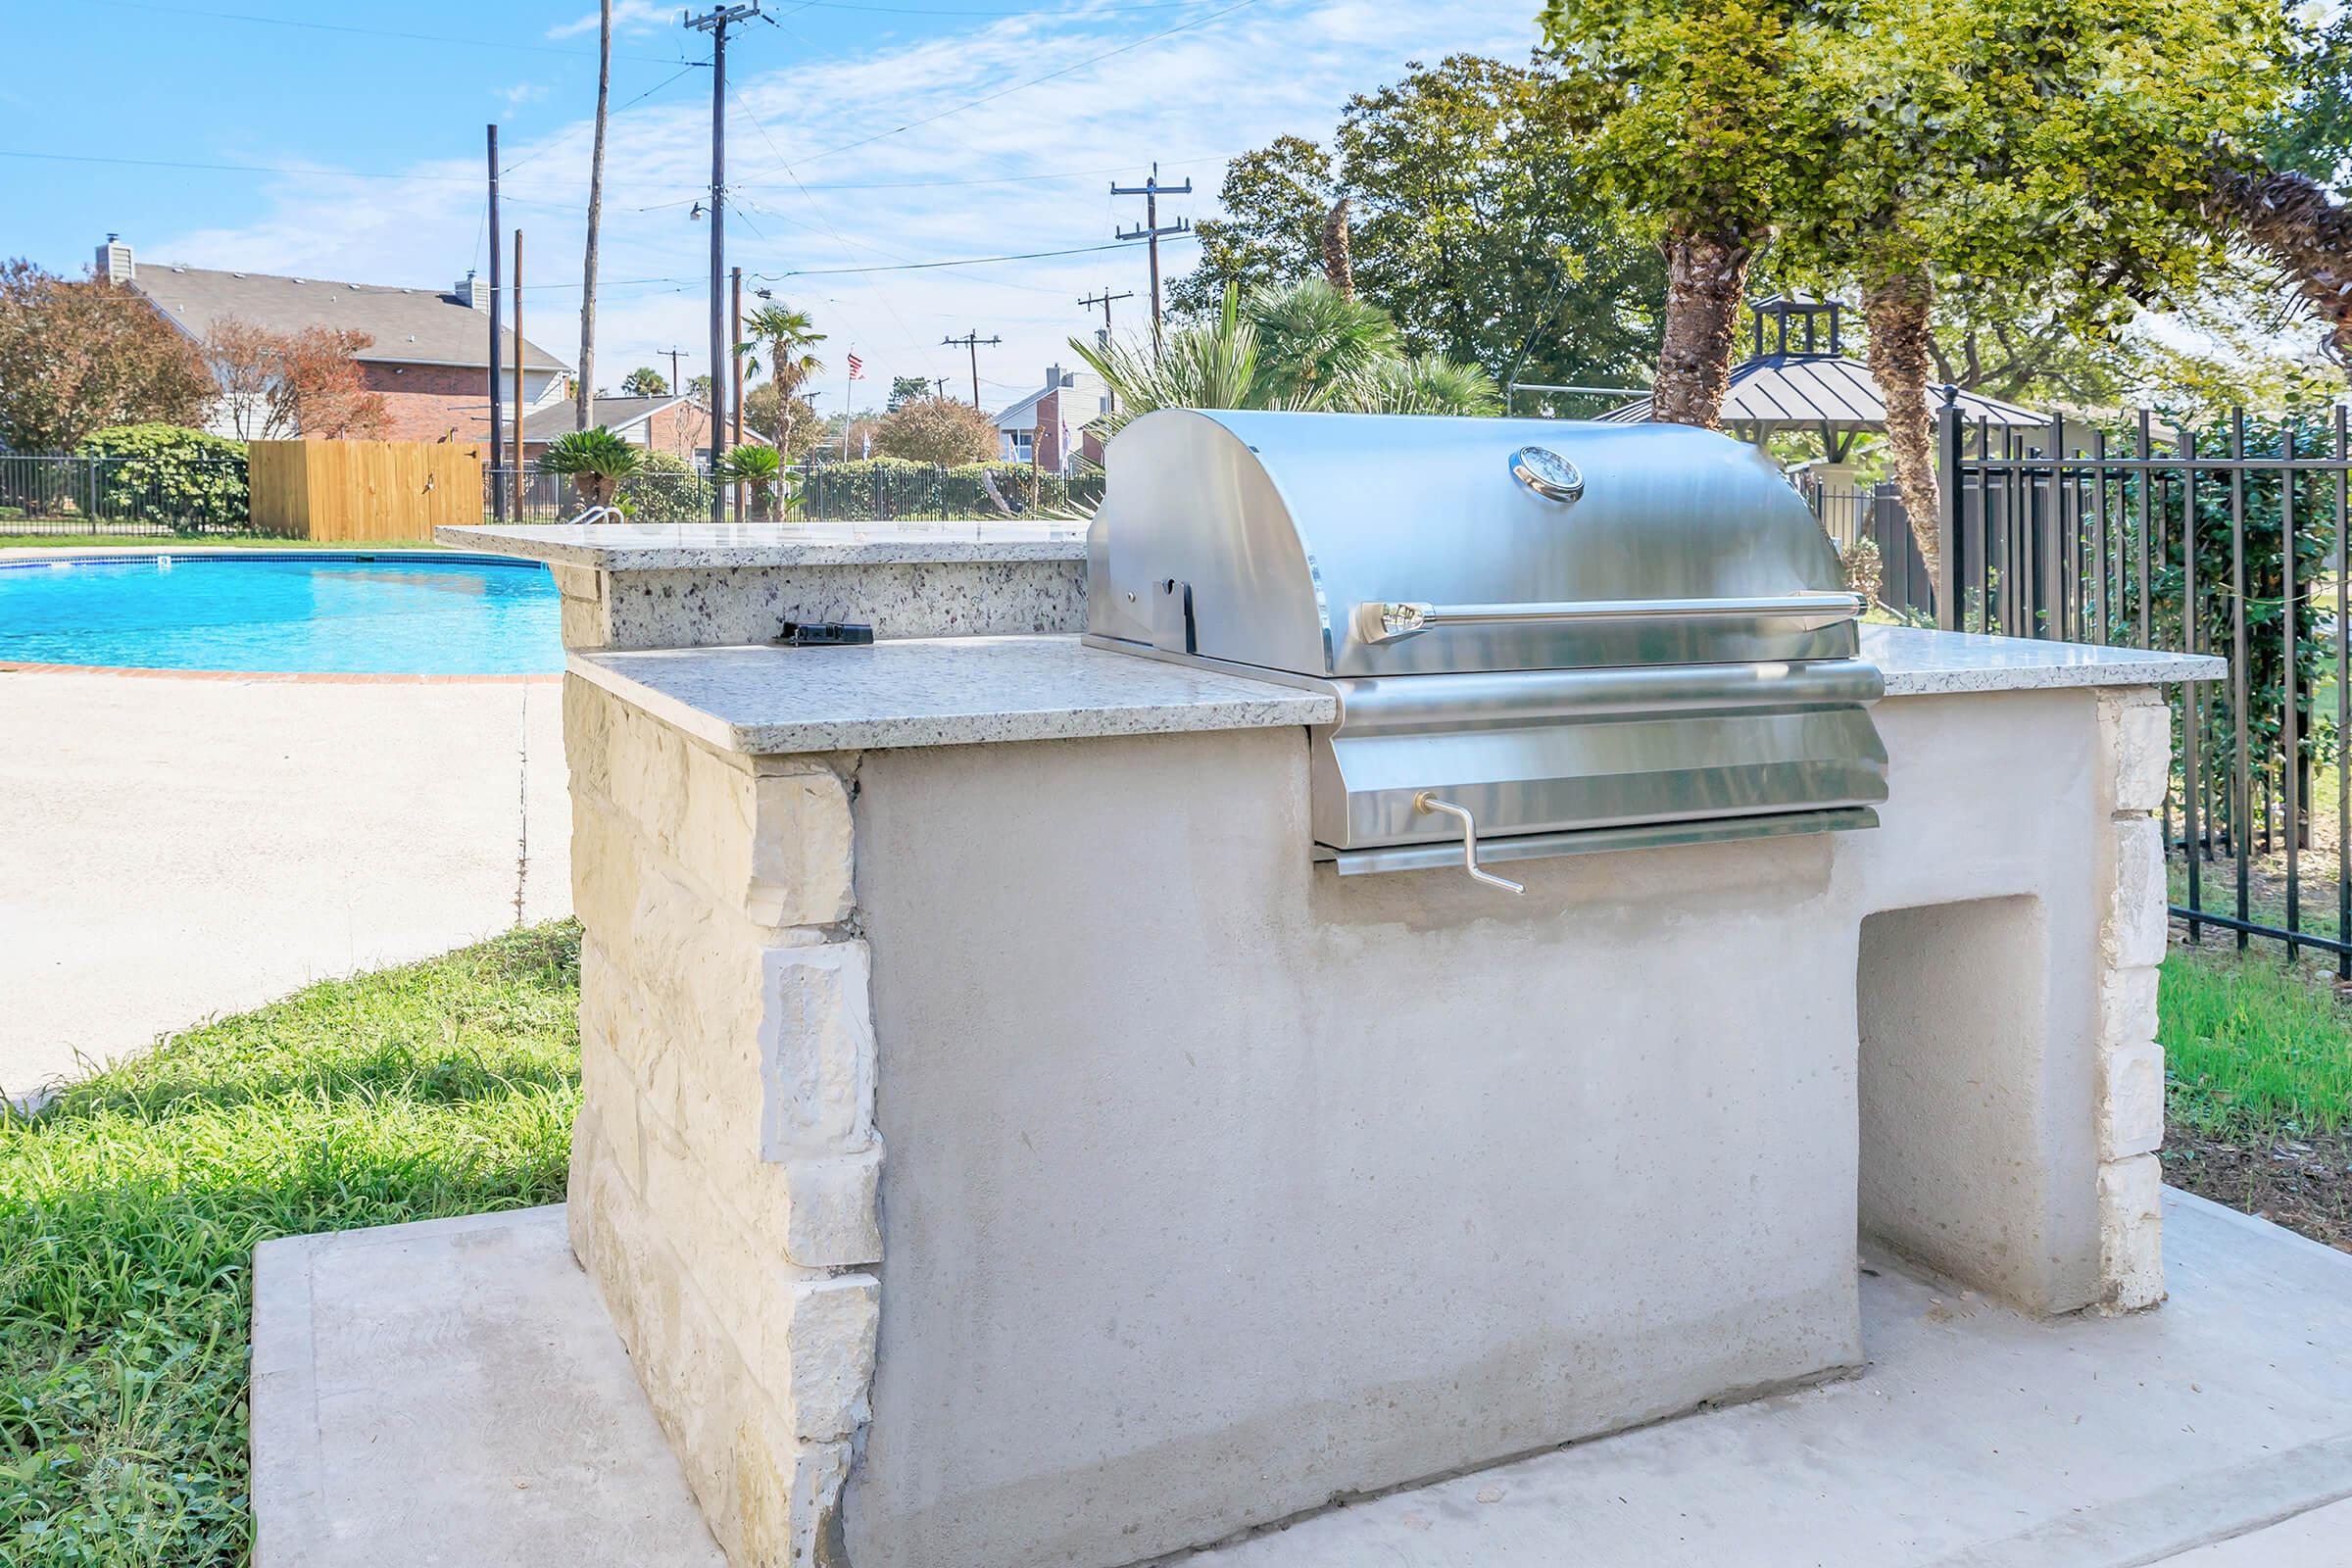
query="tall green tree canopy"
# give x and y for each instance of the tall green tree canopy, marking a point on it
(1472, 223)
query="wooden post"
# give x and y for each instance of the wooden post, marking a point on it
(519, 376)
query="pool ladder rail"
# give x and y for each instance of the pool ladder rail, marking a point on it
(597, 515)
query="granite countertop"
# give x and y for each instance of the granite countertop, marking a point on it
(1919, 662)
(961, 691)
(634, 547)
(936, 691)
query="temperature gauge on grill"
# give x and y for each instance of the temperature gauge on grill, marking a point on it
(1546, 474)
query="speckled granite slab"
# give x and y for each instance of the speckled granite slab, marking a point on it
(650, 547)
(1919, 664)
(706, 586)
(936, 692)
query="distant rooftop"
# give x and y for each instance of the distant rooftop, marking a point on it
(410, 325)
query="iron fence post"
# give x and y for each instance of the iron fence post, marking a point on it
(1947, 511)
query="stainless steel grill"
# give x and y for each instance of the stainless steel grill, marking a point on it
(1545, 637)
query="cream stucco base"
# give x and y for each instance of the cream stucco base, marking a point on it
(1219, 1186)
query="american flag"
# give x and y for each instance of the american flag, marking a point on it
(856, 367)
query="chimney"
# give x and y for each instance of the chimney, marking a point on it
(114, 260)
(470, 292)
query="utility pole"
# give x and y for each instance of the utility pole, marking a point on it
(1102, 337)
(715, 22)
(973, 341)
(1104, 299)
(940, 382)
(497, 491)
(1150, 191)
(735, 378)
(518, 381)
(675, 385)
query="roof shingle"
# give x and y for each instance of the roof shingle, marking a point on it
(410, 325)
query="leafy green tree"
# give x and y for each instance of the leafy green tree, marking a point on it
(77, 356)
(905, 389)
(2028, 147)
(1470, 219)
(596, 460)
(1702, 127)
(940, 430)
(645, 382)
(761, 412)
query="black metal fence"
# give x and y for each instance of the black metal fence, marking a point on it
(1851, 516)
(853, 492)
(2229, 541)
(132, 497)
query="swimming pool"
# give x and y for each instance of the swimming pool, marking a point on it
(336, 613)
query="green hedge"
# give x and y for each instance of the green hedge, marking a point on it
(883, 488)
(665, 489)
(169, 475)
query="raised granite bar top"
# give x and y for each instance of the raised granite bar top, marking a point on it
(961, 691)
(682, 547)
(1918, 662)
(936, 691)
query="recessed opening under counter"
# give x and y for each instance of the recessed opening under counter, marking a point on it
(1004, 1141)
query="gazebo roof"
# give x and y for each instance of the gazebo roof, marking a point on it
(1827, 392)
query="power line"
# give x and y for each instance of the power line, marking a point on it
(1019, 86)
(920, 267)
(973, 341)
(1152, 229)
(382, 32)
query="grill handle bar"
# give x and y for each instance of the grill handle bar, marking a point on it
(1388, 622)
(1426, 803)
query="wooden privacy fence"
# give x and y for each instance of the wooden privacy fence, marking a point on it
(349, 490)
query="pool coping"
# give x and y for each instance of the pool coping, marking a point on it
(326, 677)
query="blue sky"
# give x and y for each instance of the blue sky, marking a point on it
(384, 137)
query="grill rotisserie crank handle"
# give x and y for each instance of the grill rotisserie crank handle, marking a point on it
(1426, 803)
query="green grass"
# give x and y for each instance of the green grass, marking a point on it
(2251, 1047)
(129, 1207)
(196, 541)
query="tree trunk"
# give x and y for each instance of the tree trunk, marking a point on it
(1897, 304)
(1337, 270)
(1706, 278)
(2292, 219)
(583, 397)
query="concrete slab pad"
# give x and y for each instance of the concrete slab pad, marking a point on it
(176, 849)
(452, 1394)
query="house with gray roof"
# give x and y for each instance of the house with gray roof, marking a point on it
(429, 352)
(673, 422)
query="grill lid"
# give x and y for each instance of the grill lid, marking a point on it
(1338, 545)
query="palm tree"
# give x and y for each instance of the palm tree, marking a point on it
(1314, 339)
(788, 335)
(1301, 345)
(584, 396)
(760, 468)
(596, 460)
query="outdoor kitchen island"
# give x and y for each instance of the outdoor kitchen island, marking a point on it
(1006, 1143)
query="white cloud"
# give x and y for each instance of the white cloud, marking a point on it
(1022, 173)
(522, 92)
(629, 16)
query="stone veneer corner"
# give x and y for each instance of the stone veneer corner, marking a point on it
(726, 1167)
(2135, 742)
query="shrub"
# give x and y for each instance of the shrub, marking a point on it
(594, 461)
(883, 488)
(665, 489)
(172, 474)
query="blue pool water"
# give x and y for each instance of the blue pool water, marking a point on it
(328, 612)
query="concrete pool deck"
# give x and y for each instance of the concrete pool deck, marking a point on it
(179, 847)
(453, 1391)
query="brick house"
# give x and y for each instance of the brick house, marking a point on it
(674, 423)
(431, 357)
(1053, 426)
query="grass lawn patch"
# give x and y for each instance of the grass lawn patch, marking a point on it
(2258, 1103)
(130, 1206)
